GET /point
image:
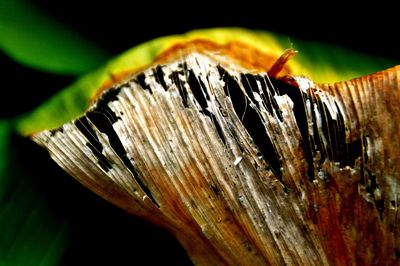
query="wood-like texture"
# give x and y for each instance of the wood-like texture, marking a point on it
(246, 169)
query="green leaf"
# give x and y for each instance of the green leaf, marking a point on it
(31, 38)
(322, 63)
(29, 234)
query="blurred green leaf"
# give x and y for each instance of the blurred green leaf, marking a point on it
(29, 234)
(35, 40)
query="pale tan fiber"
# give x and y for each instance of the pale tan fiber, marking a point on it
(261, 185)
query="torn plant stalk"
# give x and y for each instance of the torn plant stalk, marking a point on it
(245, 168)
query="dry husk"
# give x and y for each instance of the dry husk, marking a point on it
(245, 168)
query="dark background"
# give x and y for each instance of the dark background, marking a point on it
(117, 25)
(100, 233)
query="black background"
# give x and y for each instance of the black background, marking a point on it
(118, 25)
(100, 233)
